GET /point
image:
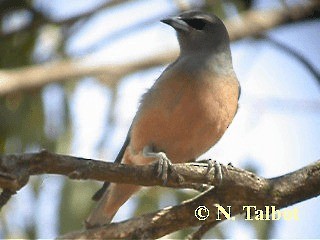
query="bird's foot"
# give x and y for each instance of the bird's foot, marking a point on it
(164, 164)
(215, 167)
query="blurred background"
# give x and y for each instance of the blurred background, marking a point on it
(72, 73)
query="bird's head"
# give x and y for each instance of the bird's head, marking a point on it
(199, 32)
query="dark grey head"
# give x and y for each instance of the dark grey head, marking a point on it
(199, 31)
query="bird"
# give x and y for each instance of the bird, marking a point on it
(184, 113)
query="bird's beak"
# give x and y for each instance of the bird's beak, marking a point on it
(177, 23)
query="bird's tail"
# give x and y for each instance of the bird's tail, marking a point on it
(98, 195)
(113, 198)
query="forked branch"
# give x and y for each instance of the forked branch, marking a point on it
(239, 188)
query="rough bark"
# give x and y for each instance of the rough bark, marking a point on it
(238, 188)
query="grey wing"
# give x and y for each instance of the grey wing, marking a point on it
(118, 159)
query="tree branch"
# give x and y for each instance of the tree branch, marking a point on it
(248, 24)
(239, 187)
(40, 75)
(46, 20)
(16, 169)
(254, 22)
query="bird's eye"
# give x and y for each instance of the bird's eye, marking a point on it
(196, 23)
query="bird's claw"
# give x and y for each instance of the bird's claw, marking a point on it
(215, 167)
(218, 172)
(164, 164)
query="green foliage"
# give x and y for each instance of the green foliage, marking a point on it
(22, 116)
(76, 204)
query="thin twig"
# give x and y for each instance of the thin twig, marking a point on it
(299, 57)
(66, 21)
(250, 23)
(203, 229)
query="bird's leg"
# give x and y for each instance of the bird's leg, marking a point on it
(164, 162)
(215, 166)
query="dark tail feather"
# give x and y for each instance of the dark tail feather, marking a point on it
(98, 195)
